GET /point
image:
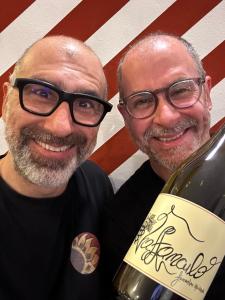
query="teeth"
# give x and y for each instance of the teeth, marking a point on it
(168, 139)
(51, 148)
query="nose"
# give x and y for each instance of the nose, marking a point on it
(165, 115)
(60, 121)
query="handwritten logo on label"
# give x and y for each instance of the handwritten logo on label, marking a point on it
(154, 244)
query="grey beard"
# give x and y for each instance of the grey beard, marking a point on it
(40, 170)
(175, 155)
(168, 163)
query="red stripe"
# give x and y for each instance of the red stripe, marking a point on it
(218, 125)
(115, 151)
(214, 63)
(120, 147)
(87, 17)
(215, 67)
(11, 9)
(177, 19)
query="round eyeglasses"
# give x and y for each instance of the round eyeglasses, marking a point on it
(42, 98)
(180, 94)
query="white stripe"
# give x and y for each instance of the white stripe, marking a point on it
(34, 23)
(209, 32)
(112, 123)
(125, 25)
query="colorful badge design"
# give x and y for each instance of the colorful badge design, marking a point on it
(85, 253)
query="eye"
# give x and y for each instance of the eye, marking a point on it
(182, 89)
(89, 106)
(179, 90)
(41, 92)
(142, 100)
(84, 103)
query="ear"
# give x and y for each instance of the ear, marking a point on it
(5, 87)
(208, 87)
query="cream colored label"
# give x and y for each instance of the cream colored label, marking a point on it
(180, 245)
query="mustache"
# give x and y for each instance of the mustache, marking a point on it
(47, 137)
(158, 131)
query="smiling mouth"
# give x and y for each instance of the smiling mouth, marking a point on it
(53, 148)
(169, 138)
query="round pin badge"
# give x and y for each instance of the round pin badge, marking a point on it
(85, 253)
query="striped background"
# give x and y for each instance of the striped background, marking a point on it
(109, 26)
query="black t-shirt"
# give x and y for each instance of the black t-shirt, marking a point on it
(125, 215)
(36, 237)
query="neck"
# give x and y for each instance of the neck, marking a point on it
(160, 170)
(23, 186)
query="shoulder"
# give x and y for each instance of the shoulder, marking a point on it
(91, 171)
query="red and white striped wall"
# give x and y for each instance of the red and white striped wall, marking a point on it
(109, 26)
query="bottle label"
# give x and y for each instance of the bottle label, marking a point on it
(180, 245)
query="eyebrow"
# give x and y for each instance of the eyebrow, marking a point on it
(179, 79)
(59, 84)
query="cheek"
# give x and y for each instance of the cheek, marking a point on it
(137, 128)
(7, 112)
(17, 119)
(202, 114)
(89, 132)
(10, 118)
(13, 113)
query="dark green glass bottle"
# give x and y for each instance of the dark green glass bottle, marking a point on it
(200, 180)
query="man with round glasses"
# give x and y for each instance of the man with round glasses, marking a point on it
(51, 199)
(165, 102)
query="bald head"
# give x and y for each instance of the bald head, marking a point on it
(67, 48)
(155, 44)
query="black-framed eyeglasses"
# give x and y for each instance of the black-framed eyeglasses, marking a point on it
(42, 98)
(180, 94)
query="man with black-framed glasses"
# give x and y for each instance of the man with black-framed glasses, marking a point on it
(51, 197)
(43, 98)
(165, 102)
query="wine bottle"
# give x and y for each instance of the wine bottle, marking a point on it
(181, 244)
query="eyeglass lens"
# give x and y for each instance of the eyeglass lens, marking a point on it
(42, 100)
(182, 94)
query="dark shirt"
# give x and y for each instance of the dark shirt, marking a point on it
(126, 214)
(36, 237)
